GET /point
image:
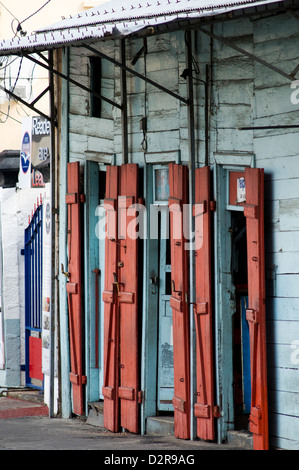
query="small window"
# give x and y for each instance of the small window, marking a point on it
(96, 86)
(102, 184)
(161, 184)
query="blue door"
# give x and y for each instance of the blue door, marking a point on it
(245, 352)
(33, 252)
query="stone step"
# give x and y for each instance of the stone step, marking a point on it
(95, 414)
(30, 395)
(242, 439)
(162, 425)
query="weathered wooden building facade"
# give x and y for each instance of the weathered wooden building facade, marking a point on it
(188, 109)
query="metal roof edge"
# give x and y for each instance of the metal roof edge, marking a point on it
(100, 15)
(53, 39)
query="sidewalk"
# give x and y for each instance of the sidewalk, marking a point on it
(25, 425)
(17, 405)
(42, 433)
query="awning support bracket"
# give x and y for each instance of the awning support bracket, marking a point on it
(74, 82)
(248, 54)
(139, 75)
(29, 105)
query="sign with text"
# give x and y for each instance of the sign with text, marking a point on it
(35, 152)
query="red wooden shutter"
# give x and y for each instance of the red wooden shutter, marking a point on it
(255, 314)
(178, 196)
(127, 296)
(204, 408)
(121, 372)
(74, 287)
(111, 308)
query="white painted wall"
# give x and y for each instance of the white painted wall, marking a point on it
(16, 206)
(30, 76)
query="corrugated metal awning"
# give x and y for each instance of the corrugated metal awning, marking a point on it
(121, 18)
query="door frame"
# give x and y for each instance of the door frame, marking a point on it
(163, 299)
(224, 296)
(92, 261)
(149, 347)
(150, 337)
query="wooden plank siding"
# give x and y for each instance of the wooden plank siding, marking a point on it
(277, 152)
(244, 94)
(247, 94)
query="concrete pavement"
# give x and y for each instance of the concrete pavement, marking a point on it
(43, 433)
(15, 408)
(25, 425)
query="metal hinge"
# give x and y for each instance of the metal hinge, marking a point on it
(217, 412)
(204, 411)
(140, 396)
(212, 205)
(255, 421)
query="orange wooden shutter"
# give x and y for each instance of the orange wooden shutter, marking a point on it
(255, 313)
(111, 307)
(204, 407)
(74, 287)
(121, 374)
(178, 196)
(128, 300)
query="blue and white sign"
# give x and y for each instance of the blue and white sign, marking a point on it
(25, 154)
(241, 190)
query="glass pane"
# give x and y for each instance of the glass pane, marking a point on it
(161, 184)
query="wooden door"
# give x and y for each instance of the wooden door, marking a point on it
(111, 305)
(178, 196)
(128, 298)
(121, 371)
(74, 287)
(203, 310)
(255, 313)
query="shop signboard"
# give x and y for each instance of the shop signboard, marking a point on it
(35, 152)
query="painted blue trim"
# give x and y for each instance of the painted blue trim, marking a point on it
(245, 356)
(65, 386)
(91, 262)
(149, 316)
(223, 309)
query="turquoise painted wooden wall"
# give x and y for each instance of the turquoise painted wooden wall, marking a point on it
(244, 93)
(248, 94)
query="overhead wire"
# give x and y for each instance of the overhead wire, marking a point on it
(37, 11)
(19, 29)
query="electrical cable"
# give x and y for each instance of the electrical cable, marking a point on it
(9, 11)
(19, 28)
(37, 11)
(8, 116)
(11, 88)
